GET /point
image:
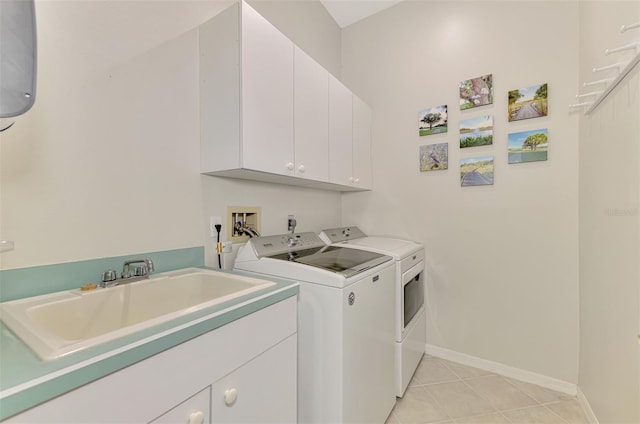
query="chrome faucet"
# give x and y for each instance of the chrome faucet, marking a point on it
(140, 271)
(110, 278)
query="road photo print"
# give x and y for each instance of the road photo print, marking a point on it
(528, 146)
(476, 131)
(432, 120)
(434, 157)
(527, 103)
(476, 171)
(476, 92)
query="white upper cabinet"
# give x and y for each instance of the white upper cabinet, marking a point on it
(267, 96)
(246, 94)
(340, 133)
(362, 120)
(269, 112)
(350, 122)
(311, 118)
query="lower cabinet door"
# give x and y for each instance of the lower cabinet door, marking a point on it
(195, 410)
(264, 390)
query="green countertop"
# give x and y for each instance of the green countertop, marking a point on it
(26, 381)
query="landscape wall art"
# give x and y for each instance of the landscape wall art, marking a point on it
(476, 131)
(526, 103)
(476, 92)
(432, 120)
(476, 171)
(528, 146)
(434, 157)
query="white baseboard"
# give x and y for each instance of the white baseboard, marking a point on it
(505, 370)
(587, 408)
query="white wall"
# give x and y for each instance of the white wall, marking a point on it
(609, 222)
(502, 262)
(309, 25)
(107, 161)
(103, 163)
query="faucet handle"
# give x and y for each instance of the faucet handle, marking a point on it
(149, 265)
(108, 276)
(140, 271)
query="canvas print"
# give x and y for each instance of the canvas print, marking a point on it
(476, 131)
(526, 103)
(432, 120)
(434, 157)
(476, 92)
(476, 171)
(528, 146)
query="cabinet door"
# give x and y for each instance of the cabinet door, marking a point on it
(267, 96)
(340, 133)
(262, 391)
(311, 118)
(362, 119)
(195, 410)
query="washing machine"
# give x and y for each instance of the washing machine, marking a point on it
(345, 324)
(410, 317)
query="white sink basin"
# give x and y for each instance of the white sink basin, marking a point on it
(57, 324)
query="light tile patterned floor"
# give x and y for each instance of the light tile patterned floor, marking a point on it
(442, 392)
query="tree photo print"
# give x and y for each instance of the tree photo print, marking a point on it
(476, 92)
(433, 120)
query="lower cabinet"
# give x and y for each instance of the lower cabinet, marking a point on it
(262, 391)
(195, 410)
(242, 372)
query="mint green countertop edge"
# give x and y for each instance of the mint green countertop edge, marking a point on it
(32, 396)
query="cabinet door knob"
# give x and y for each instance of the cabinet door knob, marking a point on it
(290, 166)
(196, 417)
(301, 169)
(350, 179)
(230, 396)
(357, 180)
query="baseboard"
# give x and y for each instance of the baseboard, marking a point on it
(587, 408)
(505, 370)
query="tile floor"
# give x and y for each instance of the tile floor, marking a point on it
(446, 392)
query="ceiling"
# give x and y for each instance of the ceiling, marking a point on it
(347, 12)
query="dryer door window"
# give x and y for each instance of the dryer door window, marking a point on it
(413, 297)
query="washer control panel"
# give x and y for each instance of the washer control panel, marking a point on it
(275, 245)
(336, 235)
